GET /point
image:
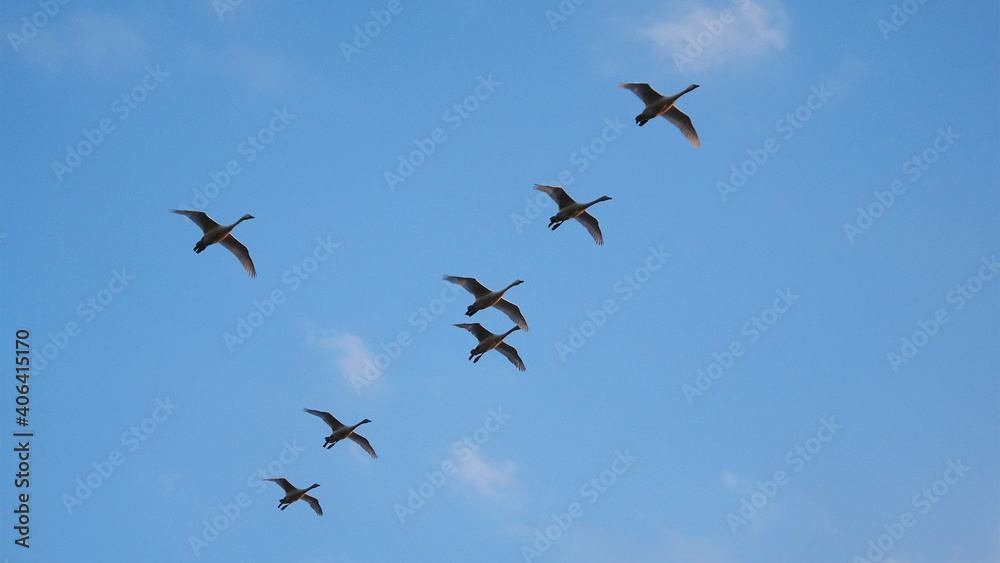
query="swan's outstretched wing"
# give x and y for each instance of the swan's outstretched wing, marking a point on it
(593, 228)
(511, 354)
(363, 442)
(644, 91)
(204, 222)
(471, 285)
(513, 313)
(241, 252)
(557, 194)
(683, 122)
(328, 418)
(313, 503)
(284, 484)
(477, 330)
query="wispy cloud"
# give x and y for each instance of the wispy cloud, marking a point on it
(92, 40)
(700, 36)
(351, 354)
(495, 481)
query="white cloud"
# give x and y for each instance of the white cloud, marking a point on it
(702, 37)
(495, 481)
(351, 353)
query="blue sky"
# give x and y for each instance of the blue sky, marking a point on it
(786, 349)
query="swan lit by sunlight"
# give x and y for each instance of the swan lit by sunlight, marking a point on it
(657, 104)
(215, 232)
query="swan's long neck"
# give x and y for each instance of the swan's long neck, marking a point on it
(506, 334)
(688, 89)
(233, 226)
(313, 486)
(598, 200)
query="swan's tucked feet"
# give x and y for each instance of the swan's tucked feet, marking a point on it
(216, 233)
(659, 105)
(572, 209)
(342, 431)
(486, 298)
(489, 341)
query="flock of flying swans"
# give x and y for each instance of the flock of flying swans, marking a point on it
(656, 105)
